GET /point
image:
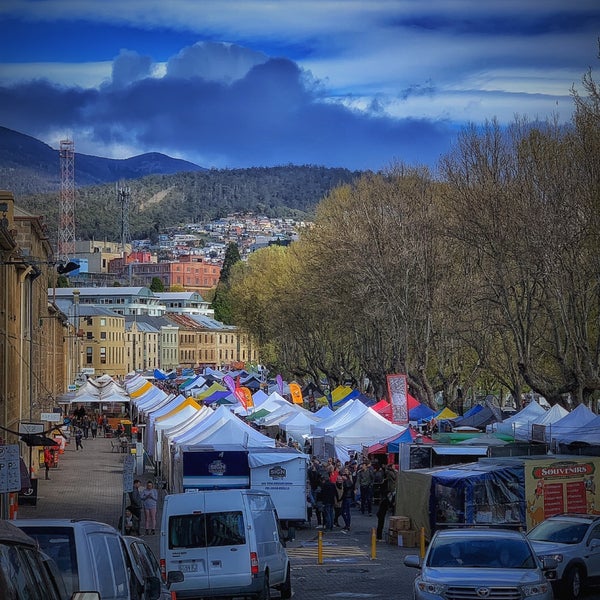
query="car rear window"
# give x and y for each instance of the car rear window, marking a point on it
(204, 530)
(59, 544)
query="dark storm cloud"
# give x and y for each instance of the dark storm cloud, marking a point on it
(272, 115)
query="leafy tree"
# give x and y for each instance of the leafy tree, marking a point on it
(221, 303)
(157, 285)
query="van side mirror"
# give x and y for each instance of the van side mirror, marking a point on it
(174, 577)
(85, 596)
(152, 588)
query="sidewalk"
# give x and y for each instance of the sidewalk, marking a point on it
(88, 484)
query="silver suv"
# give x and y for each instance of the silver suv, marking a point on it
(573, 540)
(480, 563)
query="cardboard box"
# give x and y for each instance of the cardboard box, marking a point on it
(406, 538)
(399, 523)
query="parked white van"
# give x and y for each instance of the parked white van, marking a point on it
(91, 556)
(223, 543)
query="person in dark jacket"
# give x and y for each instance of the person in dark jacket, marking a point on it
(328, 499)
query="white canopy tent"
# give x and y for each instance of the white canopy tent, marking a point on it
(356, 426)
(519, 425)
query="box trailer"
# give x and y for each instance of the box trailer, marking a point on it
(281, 472)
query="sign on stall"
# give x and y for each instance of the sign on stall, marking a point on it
(30, 428)
(52, 417)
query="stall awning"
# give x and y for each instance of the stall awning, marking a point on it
(462, 450)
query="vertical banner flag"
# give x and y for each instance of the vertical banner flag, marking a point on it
(280, 384)
(398, 394)
(296, 393)
(239, 394)
(249, 398)
(230, 383)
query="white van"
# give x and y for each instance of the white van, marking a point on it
(223, 543)
(90, 555)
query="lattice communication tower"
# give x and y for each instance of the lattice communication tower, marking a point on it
(124, 197)
(66, 209)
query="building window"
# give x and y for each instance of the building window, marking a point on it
(103, 356)
(89, 356)
(103, 335)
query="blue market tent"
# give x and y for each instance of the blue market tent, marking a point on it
(421, 412)
(216, 396)
(470, 494)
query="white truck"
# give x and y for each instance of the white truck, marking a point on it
(281, 472)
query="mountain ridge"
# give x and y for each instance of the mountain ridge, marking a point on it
(158, 200)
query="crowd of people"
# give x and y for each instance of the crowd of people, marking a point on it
(333, 489)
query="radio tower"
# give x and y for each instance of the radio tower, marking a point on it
(66, 209)
(124, 196)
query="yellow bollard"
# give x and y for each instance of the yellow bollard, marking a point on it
(422, 540)
(373, 544)
(320, 548)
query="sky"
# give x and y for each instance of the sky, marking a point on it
(361, 84)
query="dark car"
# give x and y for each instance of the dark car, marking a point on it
(480, 563)
(146, 569)
(573, 540)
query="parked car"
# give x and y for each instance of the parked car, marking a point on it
(573, 540)
(91, 556)
(26, 572)
(150, 584)
(481, 563)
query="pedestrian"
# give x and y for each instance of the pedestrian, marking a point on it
(347, 500)
(135, 500)
(382, 510)
(131, 526)
(78, 438)
(365, 482)
(337, 504)
(48, 460)
(328, 498)
(149, 498)
(94, 428)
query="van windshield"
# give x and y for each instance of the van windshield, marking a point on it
(210, 529)
(59, 544)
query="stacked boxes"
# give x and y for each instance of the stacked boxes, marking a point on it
(400, 533)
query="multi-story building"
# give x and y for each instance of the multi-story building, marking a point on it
(32, 332)
(122, 300)
(141, 346)
(191, 272)
(185, 303)
(98, 254)
(101, 341)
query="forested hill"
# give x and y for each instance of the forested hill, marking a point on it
(160, 201)
(163, 191)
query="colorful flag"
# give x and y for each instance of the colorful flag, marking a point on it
(229, 382)
(279, 380)
(296, 393)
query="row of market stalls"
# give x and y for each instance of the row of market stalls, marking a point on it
(480, 467)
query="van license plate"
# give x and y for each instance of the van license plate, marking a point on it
(188, 567)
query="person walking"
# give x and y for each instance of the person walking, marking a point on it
(78, 438)
(149, 498)
(94, 428)
(347, 500)
(48, 460)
